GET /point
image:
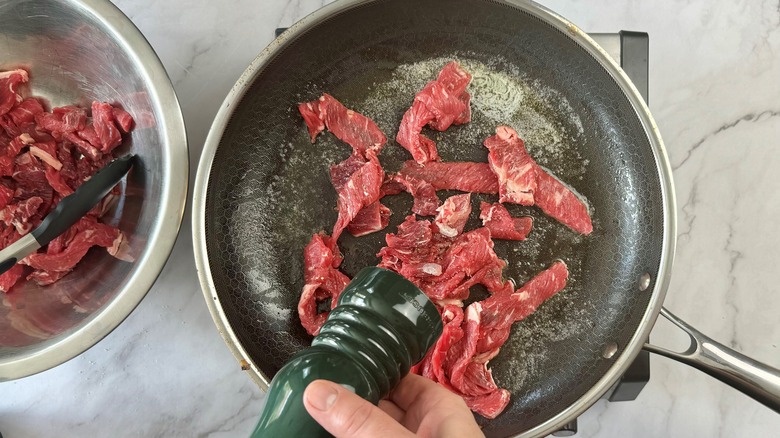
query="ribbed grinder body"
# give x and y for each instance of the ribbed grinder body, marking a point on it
(382, 325)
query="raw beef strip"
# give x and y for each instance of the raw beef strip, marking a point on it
(84, 146)
(46, 154)
(25, 112)
(351, 127)
(340, 173)
(459, 357)
(453, 214)
(484, 330)
(6, 195)
(454, 78)
(515, 169)
(310, 111)
(446, 97)
(443, 267)
(19, 214)
(522, 181)
(468, 261)
(422, 148)
(322, 282)
(501, 310)
(45, 278)
(465, 116)
(490, 405)
(426, 202)
(558, 201)
(474, 381)
(452, 333)
(9, 278)
(491, 400)
(496, 218)
(59, 243)
(9, 84)
(370, 219)
(62, 120)
(480, 378)
(98, 234)
(123, 119)
(358, 190)
(87, 228)
(439, 104)
(108, 134)
(461, 176)
(391, 185)
(409, 251)
(57, 182)
(432, 365)
(30, 177)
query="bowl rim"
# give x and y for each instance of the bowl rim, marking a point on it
(161, 237)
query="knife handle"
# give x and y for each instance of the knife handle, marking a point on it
(74, 206)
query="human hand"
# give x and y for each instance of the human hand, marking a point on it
(418, 407)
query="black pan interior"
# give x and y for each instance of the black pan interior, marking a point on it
(269, 189)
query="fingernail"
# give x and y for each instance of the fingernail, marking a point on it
(321, 396)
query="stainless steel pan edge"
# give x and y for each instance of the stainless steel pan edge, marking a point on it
(202, 181)
(660, 284)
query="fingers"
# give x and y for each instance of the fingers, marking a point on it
(418, 389)
(345, 415)
(432, 410)
(392, 410)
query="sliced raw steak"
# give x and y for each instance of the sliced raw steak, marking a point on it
(439, 104)
(453, 214)
(357, 182)
(522, 181)
(422, 148)
(411, 251)
(515, 169)
(468, 261)
(9, 85)
(425, 200)
(97, 234)
(47, 155)
(322, 282)
(490, 405)
(370, 219)
(462, 176)
(351, 127)
(501, 310)
(496, 218)
(558, 201)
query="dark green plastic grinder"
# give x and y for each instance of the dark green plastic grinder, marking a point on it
(383, 325)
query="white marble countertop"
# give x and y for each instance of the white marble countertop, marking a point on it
(715, 94)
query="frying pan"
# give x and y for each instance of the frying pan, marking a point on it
(262, 190)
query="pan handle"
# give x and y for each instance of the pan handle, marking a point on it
(751, 377)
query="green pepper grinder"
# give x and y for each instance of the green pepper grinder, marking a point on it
(383, 325)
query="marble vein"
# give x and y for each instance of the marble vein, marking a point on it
(713, 88)
(747, 118)
(735, 256)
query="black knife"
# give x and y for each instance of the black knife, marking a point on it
(68, 211)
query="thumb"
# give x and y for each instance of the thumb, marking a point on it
(345, 415)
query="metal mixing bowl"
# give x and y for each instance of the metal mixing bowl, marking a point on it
(76, 52)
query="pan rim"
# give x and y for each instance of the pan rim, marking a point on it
(662, 164)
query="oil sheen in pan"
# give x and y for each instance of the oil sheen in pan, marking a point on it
(551, 130)
(500, 95)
